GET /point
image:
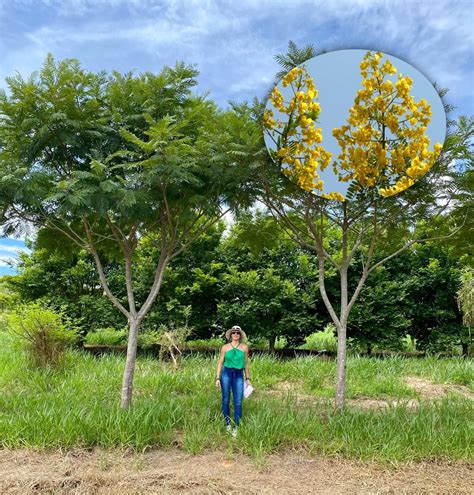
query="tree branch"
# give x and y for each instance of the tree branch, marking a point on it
(100, 269)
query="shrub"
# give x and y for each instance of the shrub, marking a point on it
(106, 336)
(170, 339)
(258, 343)
(324, 340)
(148, 339)
(42, 333)
(204, 344)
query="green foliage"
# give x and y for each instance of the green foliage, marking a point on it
(8, 298)
(191, 279)
(465, 296)
(106, 336)
(269, 285)
(295, 56)
(323, 340)
(97, 159)
(204, 344)
(41, 333)
(66, 280)
(379, 317)
(433, 280)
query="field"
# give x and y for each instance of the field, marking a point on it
(399, 412)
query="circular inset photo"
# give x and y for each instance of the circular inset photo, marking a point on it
(354, 119)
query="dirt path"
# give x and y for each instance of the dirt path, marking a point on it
(173, 471)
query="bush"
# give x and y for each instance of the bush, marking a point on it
(325, 340)
(258, 343)
(149, 338)
(170, 339)
(106, 336)
(42, 333)
(205, 344)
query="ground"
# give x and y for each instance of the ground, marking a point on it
(173, 471)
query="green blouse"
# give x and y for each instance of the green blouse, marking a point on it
(235, 358)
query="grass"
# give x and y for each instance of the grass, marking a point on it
(77, 405)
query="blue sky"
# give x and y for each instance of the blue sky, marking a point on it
(234, 43)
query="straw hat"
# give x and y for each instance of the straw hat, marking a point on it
(233, 329)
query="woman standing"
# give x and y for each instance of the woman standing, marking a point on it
(233, 361)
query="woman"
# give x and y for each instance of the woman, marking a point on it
(233, 360)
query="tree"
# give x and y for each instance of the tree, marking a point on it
(269, 283)
(432, 276)
(370, 160)
(191, 280)
(264, 304)
(106, 161)
(380, 316)
(465, 299)
(67, 281)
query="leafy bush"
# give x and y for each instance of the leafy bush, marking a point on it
(281, 343)
(42, 333)
(197, 344)
(106, 336)
(322, 340)
(258, 343)
(149, 338)
(408, 344)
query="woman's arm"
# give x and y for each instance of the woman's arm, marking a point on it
(247, 370)
(219, 366)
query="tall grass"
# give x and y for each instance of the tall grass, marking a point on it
(78, 405)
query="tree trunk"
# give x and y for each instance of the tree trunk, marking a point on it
(369, 349)
(341, 367)
(272, 342)
(134, 321)
(127, 383)
(465, 349)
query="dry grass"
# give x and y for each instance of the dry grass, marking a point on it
(429, 390)
(173, 471)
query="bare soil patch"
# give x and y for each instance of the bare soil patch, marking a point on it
(426, 390)
(173, 471)
(430, 390)
(371, 403)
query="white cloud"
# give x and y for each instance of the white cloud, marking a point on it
(8, 261)
(11, 249)
(234, 43)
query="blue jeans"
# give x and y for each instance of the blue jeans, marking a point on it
(232, 378)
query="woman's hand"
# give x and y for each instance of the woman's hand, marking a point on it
(218, 383)
(247, 381)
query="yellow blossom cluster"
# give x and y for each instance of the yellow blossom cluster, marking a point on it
(297, 137)
(384, 144)
(336, 196)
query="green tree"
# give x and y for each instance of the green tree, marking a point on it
(269, 286)
(366, 223)
(106, 161)
(191, 280)
(380, 316)
(433, 279)
(264, 304)
(67, 281)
